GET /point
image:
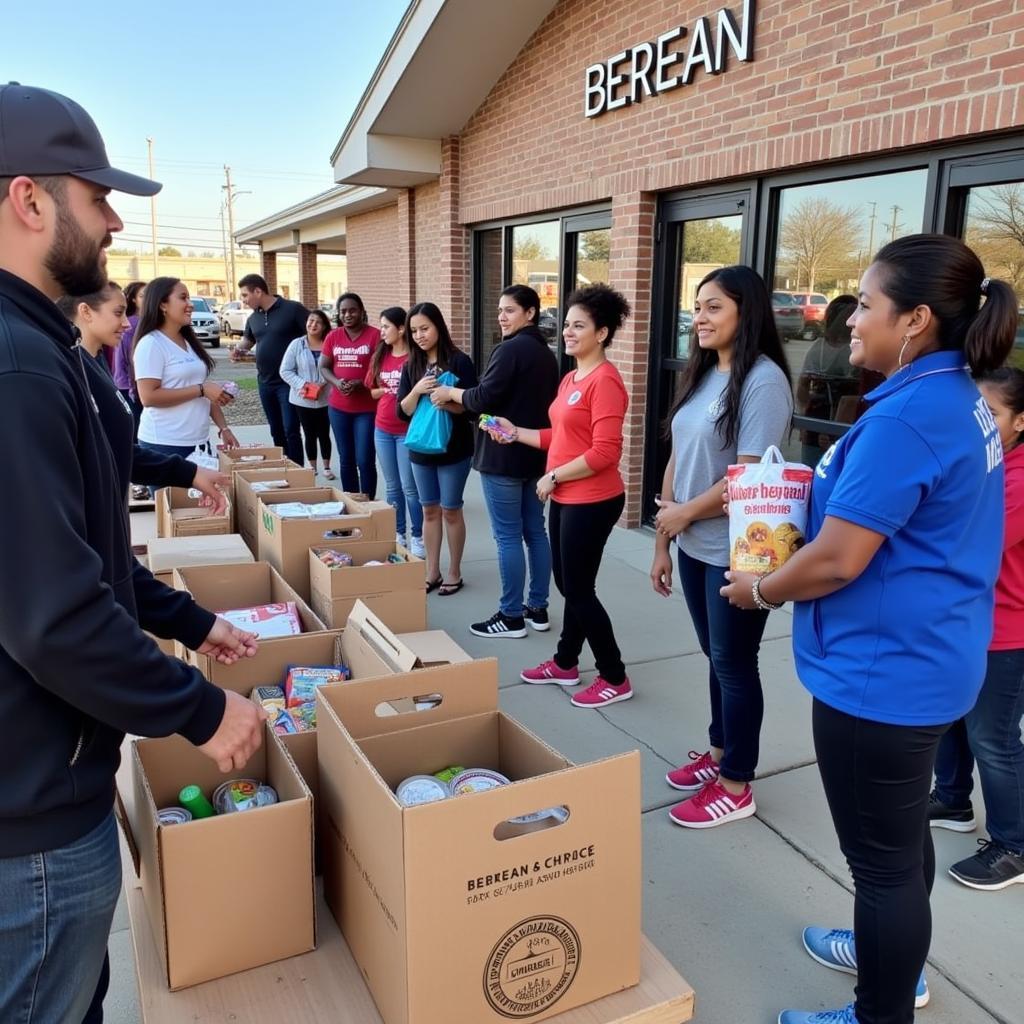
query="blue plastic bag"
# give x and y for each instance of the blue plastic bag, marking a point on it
(430, 428)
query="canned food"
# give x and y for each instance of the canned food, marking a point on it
(421, 789)
(173, 816)
(477, 780)
(242, 795)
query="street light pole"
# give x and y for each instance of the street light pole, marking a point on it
(231, 225)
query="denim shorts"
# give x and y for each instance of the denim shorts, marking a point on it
(442, 485)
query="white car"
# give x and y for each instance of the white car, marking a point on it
(204, 323)
(233, 316)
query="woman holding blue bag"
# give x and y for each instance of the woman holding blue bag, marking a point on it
(440, 440)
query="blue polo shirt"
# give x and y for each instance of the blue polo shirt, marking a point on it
(906, 641)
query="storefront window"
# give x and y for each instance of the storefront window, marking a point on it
(708, 244)
(593, 249)
(535, 262)
(827, 235)
(489, 259)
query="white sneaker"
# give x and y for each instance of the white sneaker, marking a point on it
(416, 548)
(400, 540)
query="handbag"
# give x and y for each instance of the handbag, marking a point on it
(430, 429)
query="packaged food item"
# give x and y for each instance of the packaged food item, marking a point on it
(767, 512)
(242, 795)
(312, 390)
(490, 424)
(421, 789)
(230, 388)
(174, 815)
(270, 698)
(194, 801)
(283, 723)
(268, 485)
(304, 716)
(291, 510)
(333, 559)
(476, 780)
(372, 561)
(447, 774)
(326, 509)
(301, 682)
(395, 558)
(304, 510)
(252, 458)
(267, 621)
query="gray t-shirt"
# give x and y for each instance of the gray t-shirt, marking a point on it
(766, 408)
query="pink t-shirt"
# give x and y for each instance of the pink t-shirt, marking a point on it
(350, 359)
(387, 413)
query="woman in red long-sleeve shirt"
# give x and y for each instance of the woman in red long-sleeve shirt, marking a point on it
(584, 445)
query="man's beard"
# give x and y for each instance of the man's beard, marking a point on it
(74, 259)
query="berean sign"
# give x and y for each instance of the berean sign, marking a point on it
(660, 66)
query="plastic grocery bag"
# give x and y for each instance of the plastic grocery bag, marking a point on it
(767, 511)
(430, 429)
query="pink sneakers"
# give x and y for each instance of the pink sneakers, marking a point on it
(713, 805)
(600, 692)
(549, 672)
(703, 768)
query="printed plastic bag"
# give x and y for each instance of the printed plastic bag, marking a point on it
(430, 429)
(767, 512)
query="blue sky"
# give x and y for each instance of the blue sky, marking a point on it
(264, 87)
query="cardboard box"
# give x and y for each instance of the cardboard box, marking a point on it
(285, 543)
(178, 515)
(393, 592)
(253, 457)
(246, 500)
(447, 921)
(228, 893)
(223, 587)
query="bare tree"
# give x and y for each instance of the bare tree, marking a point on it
(819, 234)
(529, 248)
(995, 230)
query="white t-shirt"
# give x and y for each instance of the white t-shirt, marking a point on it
(159, 358)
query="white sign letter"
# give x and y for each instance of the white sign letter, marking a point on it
(593, 91)
(742, 46)
(666, 58)
(640, 75)
(700, 51)
(614, 81)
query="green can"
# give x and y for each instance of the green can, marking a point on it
(192, 798)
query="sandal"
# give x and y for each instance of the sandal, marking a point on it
(432, 585)
(447, 589)
(329, 474)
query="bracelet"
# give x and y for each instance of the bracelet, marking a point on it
(553, 478)
(202, 391)
(762, 602)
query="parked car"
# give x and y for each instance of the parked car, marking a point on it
(789, 318)
(204, 323)
(233, 316)
(812, 307)
(547, 324)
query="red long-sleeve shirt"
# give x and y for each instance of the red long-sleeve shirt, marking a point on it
(1009, 624)
(586, 419)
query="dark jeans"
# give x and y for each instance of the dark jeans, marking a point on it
(316, 428)
(282, 419)
(357, 457)
(730, 639)
(990, 732)
(877, 778)
(578, 536)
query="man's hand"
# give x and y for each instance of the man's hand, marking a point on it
(239, 734)
(210, 482)
(227, 644)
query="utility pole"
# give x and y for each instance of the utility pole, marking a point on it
(231, 226)
(894, 226)
(152, 207)
(871, 232)
(228, 276)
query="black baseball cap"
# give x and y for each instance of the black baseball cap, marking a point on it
(42, 132)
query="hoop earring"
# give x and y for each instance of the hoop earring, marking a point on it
(906, 341)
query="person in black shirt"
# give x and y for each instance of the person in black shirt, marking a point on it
(275, 323)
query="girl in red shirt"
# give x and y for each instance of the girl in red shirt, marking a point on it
(344, 360)
(584, 445)
(991, 730)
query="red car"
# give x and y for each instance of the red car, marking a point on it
(812, 306)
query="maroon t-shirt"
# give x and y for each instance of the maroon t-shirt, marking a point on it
(350, 359)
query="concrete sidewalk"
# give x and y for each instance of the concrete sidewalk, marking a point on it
(726, 905)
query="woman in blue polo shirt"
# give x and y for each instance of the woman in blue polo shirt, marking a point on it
(894, 597)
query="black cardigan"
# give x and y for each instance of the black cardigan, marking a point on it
(461, 444)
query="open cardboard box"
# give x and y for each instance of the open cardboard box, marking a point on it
(248, 457)
(446, 920)
(231, 892)
(224, 587)
(392, 591)
(285, 543)
(246, 499)
(178, 515)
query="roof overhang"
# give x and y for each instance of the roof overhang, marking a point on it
(440, 65)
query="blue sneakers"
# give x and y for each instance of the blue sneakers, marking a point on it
(843, 1016)
(835, 948)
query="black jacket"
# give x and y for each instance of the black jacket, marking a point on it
(76, 670)
(461, 444)
(520, 383)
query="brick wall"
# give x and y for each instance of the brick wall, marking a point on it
(309, 288)
(373, 268)
(268, 269)
(428, 243)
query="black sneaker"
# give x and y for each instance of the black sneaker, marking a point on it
(501, 626)
(992, 867)
(538, 619)
(941, 816)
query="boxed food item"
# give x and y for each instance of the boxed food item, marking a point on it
(196, 875)
(284, 542)
(178, 515)
(267, 621)
(248, 484)
(393, 591)
(767, 512)
(238, 586)
(449, 916)
(248, 456)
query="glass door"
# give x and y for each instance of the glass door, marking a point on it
(696, 236)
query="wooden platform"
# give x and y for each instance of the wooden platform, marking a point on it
(326, 986)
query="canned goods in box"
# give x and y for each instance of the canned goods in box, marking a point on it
(173, 815)
(477, 780)
(242, 795)
(421, 789)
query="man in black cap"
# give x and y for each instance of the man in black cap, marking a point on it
(76, 669)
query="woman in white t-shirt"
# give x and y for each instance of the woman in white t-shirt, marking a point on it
(171, 372)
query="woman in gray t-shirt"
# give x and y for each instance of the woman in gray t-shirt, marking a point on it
(734, 402)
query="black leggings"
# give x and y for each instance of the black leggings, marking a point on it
(578, 536)
(316, 426)
(877, 778)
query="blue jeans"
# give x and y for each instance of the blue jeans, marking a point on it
(282, 419)
(169, 449)
(55, 915)
(730, 639)
(990, 732)
(353, 434)
(398, 481)
(442, 485)
(517, 515)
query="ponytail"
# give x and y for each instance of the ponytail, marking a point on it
(990, 337)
